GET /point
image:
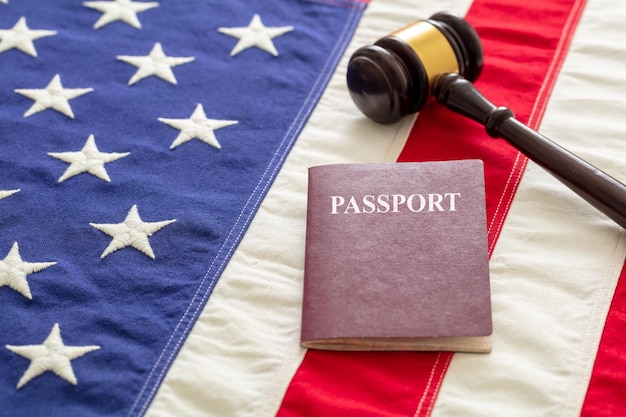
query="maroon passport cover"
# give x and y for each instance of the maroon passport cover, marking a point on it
(396, 258)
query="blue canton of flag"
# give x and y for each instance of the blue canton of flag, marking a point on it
(137, 139)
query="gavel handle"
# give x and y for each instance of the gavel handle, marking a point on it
(598, 188)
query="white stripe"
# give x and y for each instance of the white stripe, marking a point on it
(557, 261)
(244, 349)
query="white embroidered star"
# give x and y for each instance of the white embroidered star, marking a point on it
(124, 10)
(197, 126)
(52, 355)
(133, 232)
(7, 193)
(157, 63)
(255, 34)
(13, 271)
(4, 1)
(21, 37)
(89, 159)
(54, 96)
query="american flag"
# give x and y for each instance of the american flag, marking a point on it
(138, 140)
(153, 160)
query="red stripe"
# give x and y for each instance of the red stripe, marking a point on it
(525, 43)
(606, 395)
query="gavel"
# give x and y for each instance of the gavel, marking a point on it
(441, 57)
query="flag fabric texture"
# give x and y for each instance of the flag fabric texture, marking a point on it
(153, 170)
(138, 139)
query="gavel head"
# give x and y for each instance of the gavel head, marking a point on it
(395, 76)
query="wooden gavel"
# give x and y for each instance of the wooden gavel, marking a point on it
(441, 57)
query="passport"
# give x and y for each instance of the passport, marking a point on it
(396, 258)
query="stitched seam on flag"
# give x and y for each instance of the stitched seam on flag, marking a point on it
(556, 64)
(600, 395)
(430, 380)
(439, 383)
(536, 115)
(605, 305)
(593, 332)
(510, 192)
(345, 37)
(265, 181)
(435, 391)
